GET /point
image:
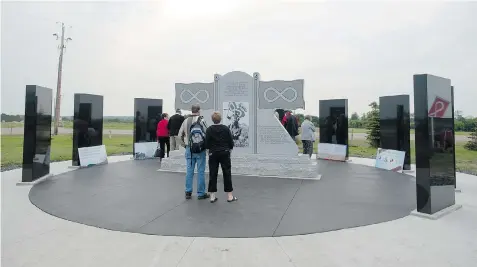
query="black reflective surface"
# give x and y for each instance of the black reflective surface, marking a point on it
(453, 134)
(395, 125)
(334, 122)
(36, 133)
(434, 134)
(88, 123)
(147, 113)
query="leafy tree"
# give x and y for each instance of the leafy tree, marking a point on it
(10, 118)
(472, 143)
(363, 117)
(372, 126)
(459, 115)
(354, 116)
(315, 120)
(300, 118)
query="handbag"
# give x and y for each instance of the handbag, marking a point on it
(157, 154)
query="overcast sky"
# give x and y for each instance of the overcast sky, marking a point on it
(123, 50)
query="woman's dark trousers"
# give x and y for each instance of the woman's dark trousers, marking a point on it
(222, 158)
(163, 141)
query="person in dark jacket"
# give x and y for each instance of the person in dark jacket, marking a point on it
(291, 125)
(219, 142)
(175, 123)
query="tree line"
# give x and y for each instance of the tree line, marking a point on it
(461, 123)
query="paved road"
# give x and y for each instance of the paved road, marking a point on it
(19, 130)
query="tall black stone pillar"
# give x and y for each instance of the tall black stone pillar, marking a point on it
(36, 133)
(334, 122)
(453, 133)
(395, 125)
(434, 120)
(147, 113)
(87, 124)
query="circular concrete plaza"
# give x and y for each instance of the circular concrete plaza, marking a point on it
(133, 196)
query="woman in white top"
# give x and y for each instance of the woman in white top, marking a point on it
(307, 135)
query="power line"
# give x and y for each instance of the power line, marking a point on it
(62, 47)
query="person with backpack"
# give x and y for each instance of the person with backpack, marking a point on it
(219, 142)
(192, 133)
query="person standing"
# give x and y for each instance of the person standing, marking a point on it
(175, 123)
(291, 125)
(307, 136)
(192, 134)
(163, 135)
(219, 142)
(284, 119)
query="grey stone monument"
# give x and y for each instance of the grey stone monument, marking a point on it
(247, 104)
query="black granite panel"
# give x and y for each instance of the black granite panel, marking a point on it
(147, 113)
(435, 166)
(37, 133)
(88, 123)
(334, 122)
(453, 134)
(395, 125)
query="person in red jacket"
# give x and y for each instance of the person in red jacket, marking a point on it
(163, 135)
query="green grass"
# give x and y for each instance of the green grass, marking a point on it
(69, 124)
(130, 126)
(361, 130)
(12, 150)
(466, 160)
(61, 147)
(12, 124)
(107, 125)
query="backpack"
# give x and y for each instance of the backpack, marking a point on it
(196, 137)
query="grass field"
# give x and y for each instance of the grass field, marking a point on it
(130, 126)
(12, 150)
(466, 160)
(61, 148)
(360, 130)
(69, 124)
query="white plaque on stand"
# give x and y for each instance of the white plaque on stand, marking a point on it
(145, 150)
(93, 155)
(331, 152)
(388, 159)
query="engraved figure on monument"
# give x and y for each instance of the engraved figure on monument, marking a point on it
(237, 119)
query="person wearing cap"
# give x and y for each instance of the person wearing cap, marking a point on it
(175, 123)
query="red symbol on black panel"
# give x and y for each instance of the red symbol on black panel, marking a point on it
(438, 108)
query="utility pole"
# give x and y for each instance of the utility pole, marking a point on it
(60, 68)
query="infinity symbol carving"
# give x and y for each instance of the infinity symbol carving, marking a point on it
(280, 94)
(194, 96)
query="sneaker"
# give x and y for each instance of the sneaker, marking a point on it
(204, 196)
(188, 195)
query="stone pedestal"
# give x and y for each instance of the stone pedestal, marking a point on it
(298, 167)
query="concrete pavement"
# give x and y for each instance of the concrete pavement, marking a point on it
(31, 237)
